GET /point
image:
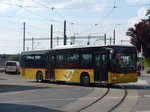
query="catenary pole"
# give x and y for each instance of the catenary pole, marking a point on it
(51, 40)
(24, 35)
(65, 38)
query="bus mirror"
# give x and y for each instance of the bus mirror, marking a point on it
(110, 50)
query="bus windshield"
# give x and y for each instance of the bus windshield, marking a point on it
(124, 60)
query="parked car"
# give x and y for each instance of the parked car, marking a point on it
(12, 67)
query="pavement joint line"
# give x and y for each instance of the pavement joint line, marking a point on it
(144, 111)
(147, 96)
(24, 91)
(34, 90)
(48, 100)
(86, 98)
(18, 92)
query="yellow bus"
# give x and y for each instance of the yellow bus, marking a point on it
(84, 64)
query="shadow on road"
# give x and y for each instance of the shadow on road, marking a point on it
(137, 87)
(14, 88)
(4, 107)
(127, 86)
(99, 85)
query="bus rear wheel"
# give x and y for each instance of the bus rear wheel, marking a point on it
(39, 77)
(85, 80)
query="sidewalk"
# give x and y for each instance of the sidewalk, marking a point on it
(2, 69)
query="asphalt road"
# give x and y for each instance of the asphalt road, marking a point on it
(2, 69)
(23, 95)
(143, 103)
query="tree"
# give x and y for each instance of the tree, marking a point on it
(148, 12)
(15, 57)
(140, 36)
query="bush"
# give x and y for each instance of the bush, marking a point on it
(15, 58)
(148, 70)
(147, 62)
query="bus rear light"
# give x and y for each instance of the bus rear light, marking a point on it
(17, 68)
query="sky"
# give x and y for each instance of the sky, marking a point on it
(83, 18)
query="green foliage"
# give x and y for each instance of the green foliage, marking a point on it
(148, 70)
(140, 36)
(15, 58)
(148, 12)
(147, 62)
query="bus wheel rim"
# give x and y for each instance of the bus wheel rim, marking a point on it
(85, 79)
(39, 77)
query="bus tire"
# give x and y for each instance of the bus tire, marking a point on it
(5, 72)
(109, 85)
(85, 79)
(39, 77)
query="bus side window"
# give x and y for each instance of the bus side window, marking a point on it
(29, 61)
(72, 60)
(86, 60)
(104, 59)
(39, 61)
(60, 61)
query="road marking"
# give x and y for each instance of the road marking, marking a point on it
(139, 82)
(121, 97)
(147, 96)
(144, 111)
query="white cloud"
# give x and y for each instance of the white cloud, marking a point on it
(62, 4)
(99, 8)
(8, 5)
(14, 5)
(83, 1)
(142, 12)
(140, 15)
(133, 21)
(137, 1)
(72, 2)
(3, 7)
(28, 3)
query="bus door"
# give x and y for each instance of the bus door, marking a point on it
(101, 66)
(50, 67)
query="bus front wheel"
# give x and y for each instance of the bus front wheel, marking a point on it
(85, 80)
(39, 77)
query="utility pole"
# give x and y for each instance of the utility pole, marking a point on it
(114, 37)
(32, 43)
(110, 40)
(51, 40)
(65, 38)
(124, 41)
(57, 41)
(88, 42)
(105, 39)
(24, 36)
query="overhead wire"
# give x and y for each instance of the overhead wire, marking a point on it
(79, 7)
(10, 22)
(29, 8)
(72, 26)
(114, 3)
(38, 14)
(51, 8)
(105, 17)
(98, 23)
